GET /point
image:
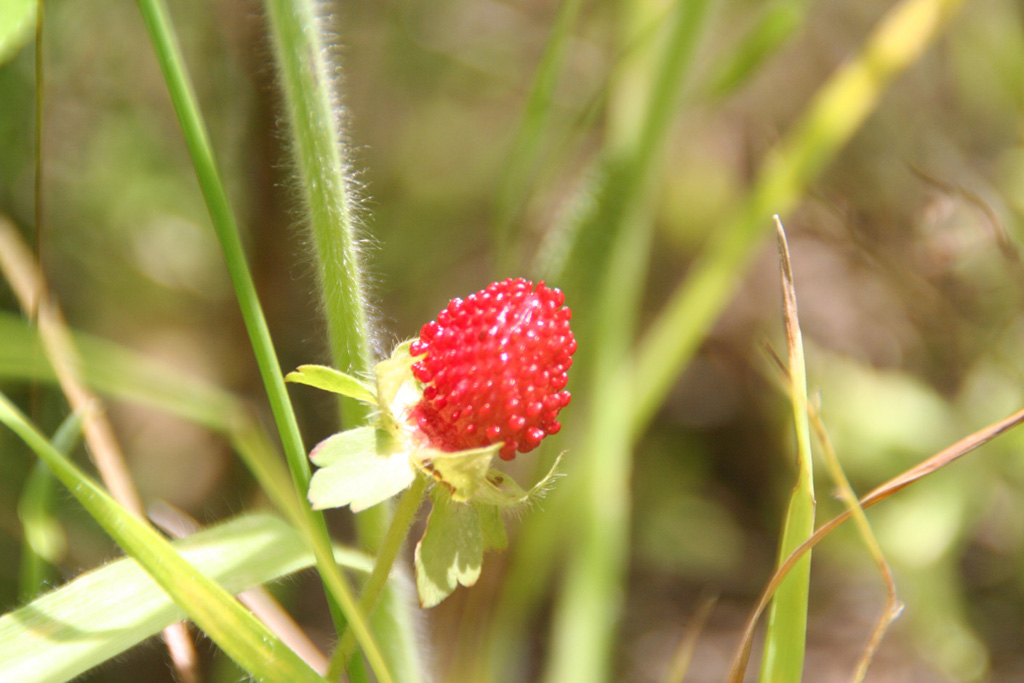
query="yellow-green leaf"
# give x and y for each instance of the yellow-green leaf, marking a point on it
(451, 551)
(353, 473)
(335, 381)
(108, 610)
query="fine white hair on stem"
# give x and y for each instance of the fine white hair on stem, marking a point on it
(308, 52)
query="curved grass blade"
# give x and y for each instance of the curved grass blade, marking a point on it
(45, 539)
(933, 464)
(108, 610)
(837, 111)
(242, 637)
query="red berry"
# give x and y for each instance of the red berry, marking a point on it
(494, 368)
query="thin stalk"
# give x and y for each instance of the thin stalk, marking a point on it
(786, 635)
(405, 514)
(519, 172)
(312, 108)
(183, 98)
(836, 113)
(587, 613)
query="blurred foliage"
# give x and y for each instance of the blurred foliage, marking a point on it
(905, 255)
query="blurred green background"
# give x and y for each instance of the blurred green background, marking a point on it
(905, 252)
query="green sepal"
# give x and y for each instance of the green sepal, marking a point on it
(335, 381)
(397, 389)
(451, 551)
(355, 472)
(502, 490)
(493, 527)
(463, 473)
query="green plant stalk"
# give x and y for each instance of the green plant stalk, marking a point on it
(313, 111)
(243, 637)
(587, 614)
(835, 114)
(787, 620)
(778, 21)
(168, 53)
(42, 531)
(786, 635)
(527, 147)
(401, 522)
(588, 610)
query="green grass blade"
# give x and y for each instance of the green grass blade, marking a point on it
(17, 21)
(587, 613)
(106, 611)
(787, 619)
(340, 598)
(242, 637)
(836, 112)
(44, 539)
(527, 146)
(183, 98)
(777, 22)
(116, 371)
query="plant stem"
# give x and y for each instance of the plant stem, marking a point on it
(307, 80)
(587, 611)
(397, 532)
(314, 113)
(168, 54)
(838, 110)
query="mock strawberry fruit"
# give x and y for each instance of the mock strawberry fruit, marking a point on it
(494, 368)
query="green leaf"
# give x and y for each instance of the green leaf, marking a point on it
(108, 610)
(353, 473)
(17, 19)
(786, 634)
(335, 381)
(451, 551)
